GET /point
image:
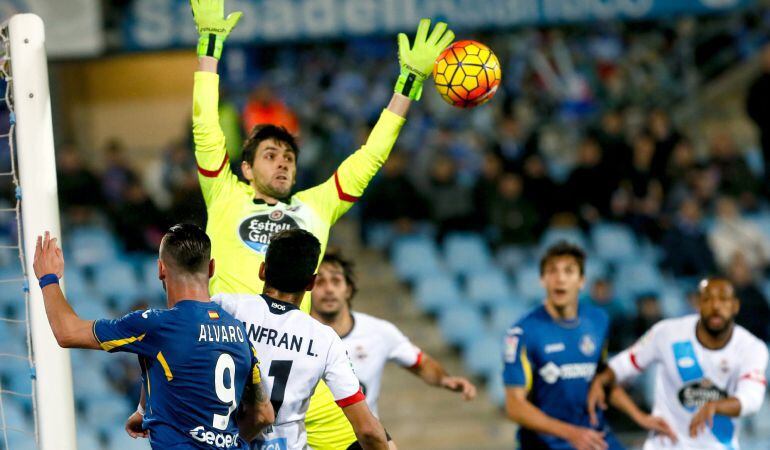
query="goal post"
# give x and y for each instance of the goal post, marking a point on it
(54, 410)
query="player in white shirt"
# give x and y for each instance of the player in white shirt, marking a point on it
(710, 372)
(296, 351)
(372, 342)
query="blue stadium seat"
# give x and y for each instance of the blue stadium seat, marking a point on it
(108, 413)
(504, 316)
(484, 355)
(75, 285)
(460, 324)
(415, 257)
(90, 246)
(528, 284)
(152, 285)
(488, 288)
(634, 278)
(12, 292)
(91, 384)
(595, 268)
(614, 243)
(673, 300)
(569, 234)
(436, 292)
(120, 439)
(116, 280)
(512, 257)
(467, 253)
(89, 440)
(496, 389)
(19, 375)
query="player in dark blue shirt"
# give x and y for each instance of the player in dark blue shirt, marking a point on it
(199, 371)
(551, 356)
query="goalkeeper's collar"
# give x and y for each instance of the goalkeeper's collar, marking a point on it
(259, 201)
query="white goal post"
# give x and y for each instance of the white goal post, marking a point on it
(40, 211)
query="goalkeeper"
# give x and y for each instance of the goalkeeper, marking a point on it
(242, 217)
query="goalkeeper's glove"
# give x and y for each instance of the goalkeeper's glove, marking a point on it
(417, 62)
(212, 25)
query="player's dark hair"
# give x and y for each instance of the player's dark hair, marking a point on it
(188, 248)
(564, 248)
(336, 258)
(265, 132)
(291, 260)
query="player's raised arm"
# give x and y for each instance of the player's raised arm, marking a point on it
(69, 330)
(210, 151)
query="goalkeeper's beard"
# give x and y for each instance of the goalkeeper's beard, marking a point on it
(270, 191)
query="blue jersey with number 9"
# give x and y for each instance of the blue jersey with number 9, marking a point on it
(196, 362)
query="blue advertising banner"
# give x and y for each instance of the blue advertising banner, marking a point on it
(157, 24)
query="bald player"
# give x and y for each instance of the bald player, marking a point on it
(710, 372)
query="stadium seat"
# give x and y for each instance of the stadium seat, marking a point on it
(108, 413)
(496, 389)
(76, 287)
(634, 278)
(570, 234)
(595, 268)
(483, 356)
(415, 257)
(123, 441)
(436, 292)
(466, 253)
(504, 316)
(90, 246)
(12, 292)
(460, 324)
(673, 300)
(614, 243)
(511, 257)
(528, 282)
(88, 440)
(116, 280)
(152, 285)
(488, 289)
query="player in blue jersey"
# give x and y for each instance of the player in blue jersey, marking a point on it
(551, 356)
(199, 371)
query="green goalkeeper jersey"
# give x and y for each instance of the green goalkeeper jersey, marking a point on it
(239, 225)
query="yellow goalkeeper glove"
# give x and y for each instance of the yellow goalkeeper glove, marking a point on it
(417, 62)
(212, 25)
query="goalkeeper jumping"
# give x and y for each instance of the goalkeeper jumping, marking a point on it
(242, 217)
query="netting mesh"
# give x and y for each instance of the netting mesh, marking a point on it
(17, 371)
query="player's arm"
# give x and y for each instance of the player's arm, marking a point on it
(432, 372)
(334, 197)
(369, 431)
(210, 152)
(69, 330)
(134, 423)
(256, 411)
(517, 376)
(749, 393)
(619, 399)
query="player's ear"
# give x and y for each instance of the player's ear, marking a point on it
(311, 283)
(262, 271)
(246, 170)
(211, 267)
(161, 270)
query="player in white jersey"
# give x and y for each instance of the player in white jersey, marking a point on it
(372, 342)
(710, 372)
(296, 351)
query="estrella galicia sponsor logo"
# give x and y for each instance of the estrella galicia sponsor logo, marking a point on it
(219, 440)
(694, 395)
(272, 444)
(257, 230)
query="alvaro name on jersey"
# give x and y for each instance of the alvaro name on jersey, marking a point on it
(295, 353)
(195, 363)
(689, 375)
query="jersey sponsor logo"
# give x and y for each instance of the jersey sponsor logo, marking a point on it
(220, 440)
(554, 348)
(694, 395)
(551, 373)
(277, 306)
(685, 362)
(146, 314)
(587, 345)
(257, 230)
(272, 444)
(511, 346)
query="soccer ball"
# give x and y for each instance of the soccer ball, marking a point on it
(467, 74)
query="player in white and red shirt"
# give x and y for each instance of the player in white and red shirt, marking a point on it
(296, 351)
(710, 372)
(372, 342)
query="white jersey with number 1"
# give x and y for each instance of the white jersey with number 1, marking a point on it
(371, 343)
(688, 375)
(295, 352)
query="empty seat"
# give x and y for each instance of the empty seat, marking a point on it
(572, 235)
(460, 324)
(528, 284)
(466, 253)
(614, 243)
(415, 257)
(89, 246)
(484, 355)
(116, 280)
(504, 316)
(436, 292)
(634, 278)
(488, 288)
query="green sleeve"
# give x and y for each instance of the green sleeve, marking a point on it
(216, 179)
(334, 197)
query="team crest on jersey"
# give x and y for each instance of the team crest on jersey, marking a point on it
(694, 395)
(360, 353)
(257, 230)
(587, 345)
